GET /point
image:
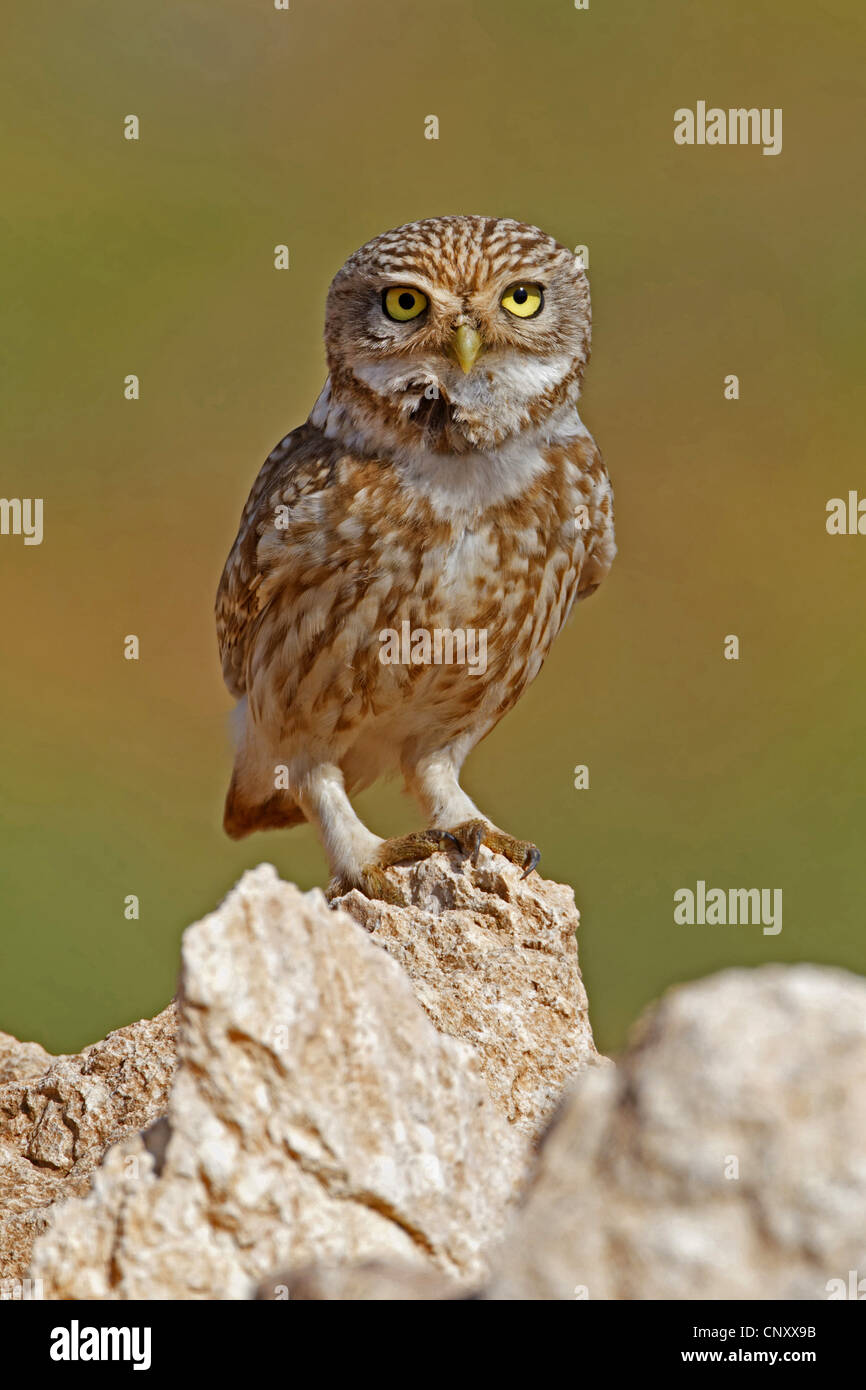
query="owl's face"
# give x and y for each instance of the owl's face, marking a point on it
(457, 333)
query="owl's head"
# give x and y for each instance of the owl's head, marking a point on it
(456, 333)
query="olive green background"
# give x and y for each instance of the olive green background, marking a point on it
(156, 257)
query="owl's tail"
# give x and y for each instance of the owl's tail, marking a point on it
(243, 814)
(252, 803)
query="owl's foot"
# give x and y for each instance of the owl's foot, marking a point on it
(372, 881)
(468, 838)
(472, 834)
(408, 849)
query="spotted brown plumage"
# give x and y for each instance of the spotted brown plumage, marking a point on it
(421, 491)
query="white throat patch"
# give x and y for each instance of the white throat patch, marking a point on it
(466, 483)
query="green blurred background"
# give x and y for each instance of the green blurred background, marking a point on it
(156, 258)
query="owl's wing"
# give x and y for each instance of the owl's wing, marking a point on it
(301, 465)
(600, 545)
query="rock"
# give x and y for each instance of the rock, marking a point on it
(58, 1115)
(316, 1116)
(372, 1281)
(492, 958)
(321, 1125)
(723, 1158)
(22, 1061)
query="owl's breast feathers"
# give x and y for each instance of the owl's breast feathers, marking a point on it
(333, 549)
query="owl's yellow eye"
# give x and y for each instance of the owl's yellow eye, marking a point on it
(402, 303)
(523, 300)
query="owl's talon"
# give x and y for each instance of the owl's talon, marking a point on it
(533, 854)
(474, 840)
(337, 887)
(475, 833)
(376, 884)
(373, 882)
(468, 838)
(471, 835)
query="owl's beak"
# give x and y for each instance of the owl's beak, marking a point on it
(467, 345)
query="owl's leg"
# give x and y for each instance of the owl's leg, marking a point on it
(434, 781)
(351, 848)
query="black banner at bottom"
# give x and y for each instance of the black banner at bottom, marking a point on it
(78, 1339)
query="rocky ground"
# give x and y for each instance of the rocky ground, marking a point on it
(379, 1102)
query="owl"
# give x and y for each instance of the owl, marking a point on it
(408, 555)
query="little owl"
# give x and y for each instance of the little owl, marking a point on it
(443, 495)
